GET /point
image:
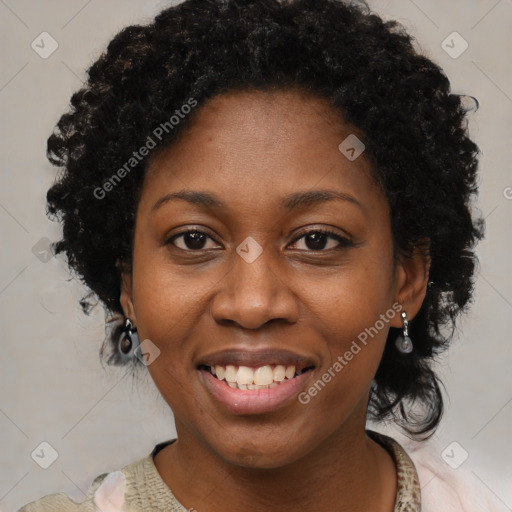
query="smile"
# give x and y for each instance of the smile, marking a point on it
(254, 378)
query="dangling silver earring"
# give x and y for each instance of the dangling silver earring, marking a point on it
(129, 338)
(403, 342)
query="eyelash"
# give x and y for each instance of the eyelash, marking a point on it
(344, 242)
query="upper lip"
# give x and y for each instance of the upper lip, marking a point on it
(255, 358)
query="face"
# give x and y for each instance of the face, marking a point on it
(277, 267)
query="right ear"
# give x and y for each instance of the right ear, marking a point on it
(126, 298)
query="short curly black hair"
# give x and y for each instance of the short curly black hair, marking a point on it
(413, 126)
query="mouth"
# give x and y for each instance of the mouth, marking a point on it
(246, 381)
(247, 378)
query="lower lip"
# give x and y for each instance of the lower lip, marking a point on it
(254, 401)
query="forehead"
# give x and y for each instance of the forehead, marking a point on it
(254, 145)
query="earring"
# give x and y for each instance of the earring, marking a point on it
(403, 342)
(128, 338)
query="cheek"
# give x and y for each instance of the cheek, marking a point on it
(168, 307)
(354, 330)
(167, 297)
(355, 296)
(168, 310)
(353, 313)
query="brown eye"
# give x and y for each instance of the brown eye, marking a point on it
(318, 240)
(190, 240)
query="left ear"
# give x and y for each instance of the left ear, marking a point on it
(411, 280)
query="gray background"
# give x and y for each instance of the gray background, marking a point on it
(53, 388)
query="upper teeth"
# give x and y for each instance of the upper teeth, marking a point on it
(247, 376)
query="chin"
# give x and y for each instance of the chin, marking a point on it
(259, 450)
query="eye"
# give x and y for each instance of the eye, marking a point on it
(191, 240)
(316, 240)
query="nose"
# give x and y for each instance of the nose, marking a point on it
(254, 294)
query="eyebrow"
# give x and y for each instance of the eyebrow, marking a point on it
(290, 202)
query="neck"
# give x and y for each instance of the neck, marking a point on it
(348, 472)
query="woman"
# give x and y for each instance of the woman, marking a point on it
(272, 200)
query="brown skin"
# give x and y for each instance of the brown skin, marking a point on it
(250, 149)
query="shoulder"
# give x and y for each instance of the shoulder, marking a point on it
(106, 493)
(445, 488)
(450, 488)
(136, 487)
(58, 503)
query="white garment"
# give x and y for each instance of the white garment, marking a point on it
(444, 489)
